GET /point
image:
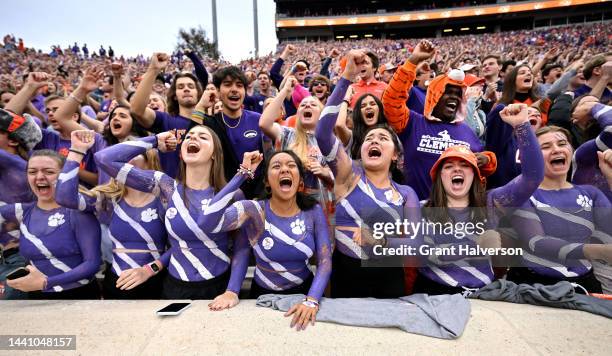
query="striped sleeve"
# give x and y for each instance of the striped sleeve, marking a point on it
(395, 96)
(114, 161)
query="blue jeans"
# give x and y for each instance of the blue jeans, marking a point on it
(7, 266)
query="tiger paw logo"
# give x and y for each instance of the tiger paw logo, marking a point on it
(56, 220)
(205, 203)
(585, 202)
(171, 213)
(267, 243)
(148, 215)
(297, 227)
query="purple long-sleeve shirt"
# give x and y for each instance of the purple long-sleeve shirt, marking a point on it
(554, 226)
(586, 162)
(476, 272)
(282, 245)
(199, 69)
(14, 188)
(63, 244)
(365, 204)
(131, 228)
(193, 255)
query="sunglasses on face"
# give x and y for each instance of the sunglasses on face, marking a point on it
(316, 84)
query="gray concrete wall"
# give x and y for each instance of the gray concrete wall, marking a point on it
(132, 328)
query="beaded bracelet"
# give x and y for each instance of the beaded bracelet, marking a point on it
(246, 171)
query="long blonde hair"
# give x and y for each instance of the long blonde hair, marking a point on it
(114, 191)
(300, 144)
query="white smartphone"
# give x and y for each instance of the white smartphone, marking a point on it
(173, 309)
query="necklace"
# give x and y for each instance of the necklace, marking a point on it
(228, 125)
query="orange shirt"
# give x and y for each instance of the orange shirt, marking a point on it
(373, 87)
(290, 122)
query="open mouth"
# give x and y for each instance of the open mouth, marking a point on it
(527, 81)
(307, 114)
(452, 104)
(374, 152)
(369, 114)
(117, 125)
(43, 188)
(457, 181)
(558, 162)
(533, 122)
(154, 107)
(286, 183)
(234, 99)
(193, 147)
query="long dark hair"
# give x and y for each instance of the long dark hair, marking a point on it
(173, 104)
(396, 166)
(136, 129)
(509, 93)
(304, 201)
(439, 200)
(359, 126)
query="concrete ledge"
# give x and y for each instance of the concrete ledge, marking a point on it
(132, 328)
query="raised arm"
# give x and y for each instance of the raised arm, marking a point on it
(604, 80)
(20, 101)
(219, 215)
(200, 70)
(328, 143)
(144, 115)
(118, 83)
(114, 161)
(341, 129)
(88, 84)
(273, 111)
(395, 96)
(67, 188)
(275, 71)
(518, 191)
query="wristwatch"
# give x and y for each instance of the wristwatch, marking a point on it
(153, 267)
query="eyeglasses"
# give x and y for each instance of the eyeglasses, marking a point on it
(316, 84)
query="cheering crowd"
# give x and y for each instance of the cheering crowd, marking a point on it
(170, 175)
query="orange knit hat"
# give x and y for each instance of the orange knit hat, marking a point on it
(436, 89)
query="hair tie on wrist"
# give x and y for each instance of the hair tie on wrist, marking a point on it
(76, 151)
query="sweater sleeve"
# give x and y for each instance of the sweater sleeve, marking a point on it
(518, 191)
(326, 139)
(114, 161)
(325, 67)
(395, 96)
(200, 70)
(275, 72)
(240, 260)
(585, 157)
(324, 250)
(10, 213)
(498, 133)
(213, 216)
(560, 85)
(67, 190)
(87, 233)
